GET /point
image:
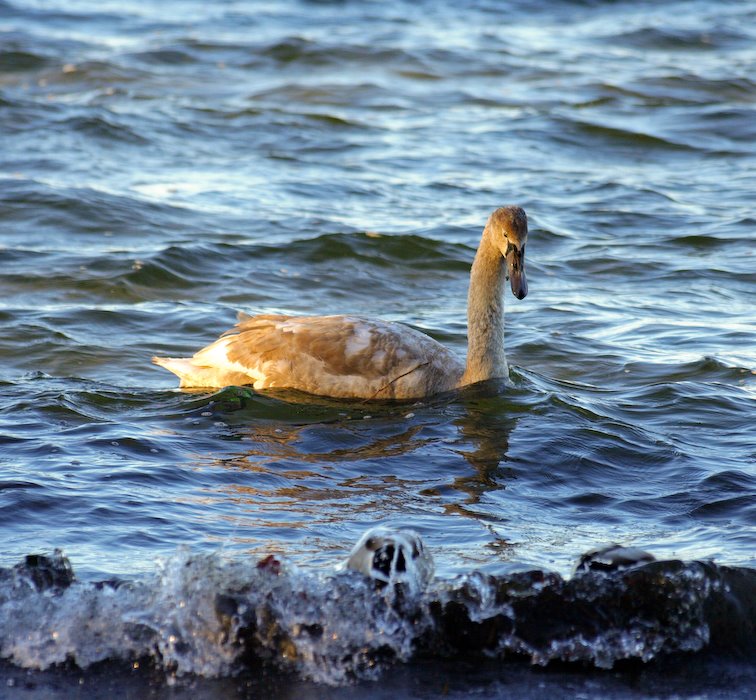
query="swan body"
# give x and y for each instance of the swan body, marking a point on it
(354, 357)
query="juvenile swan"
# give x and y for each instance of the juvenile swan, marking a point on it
(353, 357)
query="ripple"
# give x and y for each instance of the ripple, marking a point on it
(681, 39)
(18, 61)
(729, 480)
(166, 56)
(10, 485)
(727, 508)
(39, 205)
(103, 128)
(701, 89)
(614, 135)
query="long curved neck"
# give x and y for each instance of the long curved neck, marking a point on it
(485, 314)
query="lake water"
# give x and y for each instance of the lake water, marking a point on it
(164, 165)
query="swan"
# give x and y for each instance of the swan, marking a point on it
(351, 357)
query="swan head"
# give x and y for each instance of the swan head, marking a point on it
(509, 226)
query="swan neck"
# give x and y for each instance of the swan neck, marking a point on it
(485, 314)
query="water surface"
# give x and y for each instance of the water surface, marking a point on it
(164, 165)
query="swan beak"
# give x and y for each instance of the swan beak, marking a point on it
(515, 258)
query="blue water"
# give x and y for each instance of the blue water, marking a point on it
(164, 165)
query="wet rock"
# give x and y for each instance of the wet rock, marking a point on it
(45, 572)
(614, 557)
(730, 611)
(203, 614)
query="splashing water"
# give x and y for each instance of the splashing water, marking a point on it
(209, 616)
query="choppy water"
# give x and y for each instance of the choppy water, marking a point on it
(163, 165)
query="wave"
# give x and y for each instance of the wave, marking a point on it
(102, 127)
(94, 213)
(625, 136)
(680, 39)
(207, 616)
(13, 61)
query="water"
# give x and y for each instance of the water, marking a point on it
(164, 165)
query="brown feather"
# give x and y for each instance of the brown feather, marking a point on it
(339, 356)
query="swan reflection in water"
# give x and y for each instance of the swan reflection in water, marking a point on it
(344, 463)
